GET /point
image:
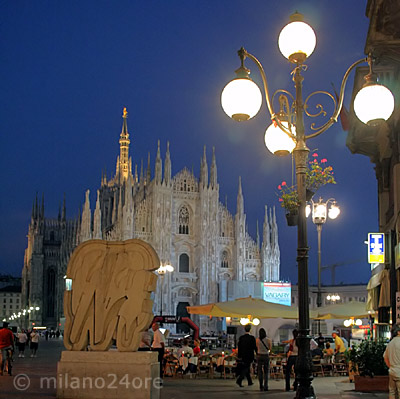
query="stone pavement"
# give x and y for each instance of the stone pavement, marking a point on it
(35, 378)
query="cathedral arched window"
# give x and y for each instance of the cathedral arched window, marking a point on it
(184, 263)
(183, 220)
(224, 259)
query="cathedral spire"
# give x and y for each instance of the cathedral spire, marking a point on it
(204, 170)
(148, 176)
(258, 236)
(167, 166)
(123, 161)
(213, 171)
(240, 201)
(42, 208)
(86, 232)
(158, 166)
(97, 219)
(64, 211)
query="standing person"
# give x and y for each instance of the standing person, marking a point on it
(22, 338)
(6, 343)
(246, 348)
(158, 345)
(392, 360)
(339, 344)
(264, 346)
(321, 341)
(291, 361)
(34, 342)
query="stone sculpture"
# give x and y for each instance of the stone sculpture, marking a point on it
(109, 297)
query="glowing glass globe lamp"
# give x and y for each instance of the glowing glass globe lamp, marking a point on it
(241, 99)
(277, 141)
(297, 40)
(373, 104)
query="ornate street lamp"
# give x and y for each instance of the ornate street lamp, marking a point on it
(296, 42)
(162, 271)
(320, 212)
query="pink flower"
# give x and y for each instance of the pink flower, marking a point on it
(279, 187)
(315, 161)
(324, 160)
(283, 183)
(280, 200)
(315, 154)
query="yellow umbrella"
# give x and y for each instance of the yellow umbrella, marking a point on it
(244, 307)
(342, 311)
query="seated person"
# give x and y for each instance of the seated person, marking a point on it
(328, 351)
(186, 349)
(196, 349)
(315, 350)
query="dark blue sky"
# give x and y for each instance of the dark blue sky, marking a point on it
(68, 69)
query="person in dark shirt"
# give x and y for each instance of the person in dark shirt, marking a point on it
(321, 341)
(247, 347)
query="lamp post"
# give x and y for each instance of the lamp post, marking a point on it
(320, 212)
(162, 271)
(241, 100)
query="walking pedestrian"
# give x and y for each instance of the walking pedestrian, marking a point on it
(22, 338)
(34, 342)
(6, 344)
(291, 360)
(246, 349)
(392, 360)
(264, 346)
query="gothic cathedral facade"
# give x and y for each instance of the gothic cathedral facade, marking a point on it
(181, 216)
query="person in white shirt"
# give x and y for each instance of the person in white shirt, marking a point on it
(158, 345)
(185, 349)
(34, 342)
(392, 360)
(22, 338)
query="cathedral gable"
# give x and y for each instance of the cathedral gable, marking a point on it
(185, 181)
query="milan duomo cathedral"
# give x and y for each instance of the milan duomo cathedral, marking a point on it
(181, 216)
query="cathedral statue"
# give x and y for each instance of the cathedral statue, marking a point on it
(108, 294)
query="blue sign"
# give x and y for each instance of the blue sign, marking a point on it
(376, 248)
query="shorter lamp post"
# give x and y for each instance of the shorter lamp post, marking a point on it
(320, 212)
(162, 271)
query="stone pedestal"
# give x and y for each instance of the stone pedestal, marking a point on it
(108, 374)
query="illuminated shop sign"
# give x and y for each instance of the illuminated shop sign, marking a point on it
(280, 293)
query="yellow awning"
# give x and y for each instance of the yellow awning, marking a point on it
(342, 311)
(244, 307)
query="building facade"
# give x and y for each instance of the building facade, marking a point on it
(10, 297)
(181, 216)
(381, 143)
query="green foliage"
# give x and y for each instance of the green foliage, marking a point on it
(368, 358)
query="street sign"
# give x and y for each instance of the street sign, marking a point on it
(376, 248)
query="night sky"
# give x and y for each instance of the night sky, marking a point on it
(68, 69)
